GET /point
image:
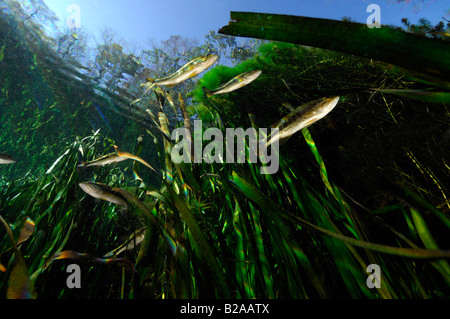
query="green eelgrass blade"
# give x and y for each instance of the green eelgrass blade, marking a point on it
(131, 199)
(323, 172)
(263, 262)
(295, 254)
(147, 254)
(266, 203)
(350, 264)
(61, 236)
(164, 125)
(423, 230)
(354, 225)
(287, 254)
(349, 214)
(244, 268)
(429, 242)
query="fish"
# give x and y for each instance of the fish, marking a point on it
(6, 159)
(235, 83)
(302, 117)
(104, 192)
(190, 69)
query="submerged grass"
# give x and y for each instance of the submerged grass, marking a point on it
(214, 230)
(217, 230)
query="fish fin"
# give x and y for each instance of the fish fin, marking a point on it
(288, 106)
(283, 141)
(207, 92)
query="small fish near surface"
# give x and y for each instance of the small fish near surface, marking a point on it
(190, 69)
(302, 117)
(104, 192)
(6, 159)
(235, 83)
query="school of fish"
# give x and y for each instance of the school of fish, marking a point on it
(296, 120)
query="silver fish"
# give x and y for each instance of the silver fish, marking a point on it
(104, 192)
(104, 160)
(117, 156)
(6, 159)
(235, 83)
(302, 117)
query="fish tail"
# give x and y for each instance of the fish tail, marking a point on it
(149, 87)
(81, 167)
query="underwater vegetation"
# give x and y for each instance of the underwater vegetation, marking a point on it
(363, 185)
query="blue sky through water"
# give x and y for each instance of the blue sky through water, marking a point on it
(136, 21)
